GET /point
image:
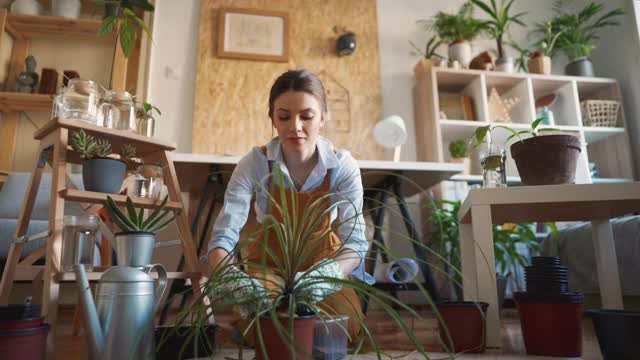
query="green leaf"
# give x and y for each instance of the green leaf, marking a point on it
(140, 217)
(156, 211)
(139, 21)
(119, 216)
(127, 37)
(131, 208)
(147, 107)
(108, 25)
(536, 123)
(481, 133)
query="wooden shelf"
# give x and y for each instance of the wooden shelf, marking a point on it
(53, 27)
(13, 101)
(98, 198)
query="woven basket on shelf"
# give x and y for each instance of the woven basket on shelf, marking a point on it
(602, 113)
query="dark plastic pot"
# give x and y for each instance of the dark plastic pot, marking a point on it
(277, 345)
(466, 323)
(103, 175)
(581, 66)
(24, 344)
(617, 332)
(551, 323)
(170, 342)
(20, 317)
(547, 160)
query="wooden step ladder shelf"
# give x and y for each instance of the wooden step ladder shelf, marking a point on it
(54, 150)
(13, 101)
(54, 27)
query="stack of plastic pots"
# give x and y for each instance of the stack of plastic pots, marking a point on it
(23, 333)
(550, 316)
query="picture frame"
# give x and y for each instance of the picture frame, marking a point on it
(253, 34)
(456, 107)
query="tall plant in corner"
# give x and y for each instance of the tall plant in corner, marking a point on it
(500, 20)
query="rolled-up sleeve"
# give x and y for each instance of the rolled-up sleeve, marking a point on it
(237, 202)
(348, 188)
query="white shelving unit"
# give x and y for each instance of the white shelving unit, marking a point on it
(607, 147)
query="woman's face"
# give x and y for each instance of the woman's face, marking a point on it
(297, 117)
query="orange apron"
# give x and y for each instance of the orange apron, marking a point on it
(344, 302)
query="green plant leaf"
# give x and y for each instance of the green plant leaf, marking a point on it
(131, 208)
(117, 215)
(548, 129)
(537, 122)
(127, 37)
(108, 25)
(138, 21)
(156, 211)
(481, 133)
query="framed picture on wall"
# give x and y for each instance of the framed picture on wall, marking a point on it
(253, 34)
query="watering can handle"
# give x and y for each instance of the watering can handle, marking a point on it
(162, 282)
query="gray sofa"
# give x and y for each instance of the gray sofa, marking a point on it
(12, 196)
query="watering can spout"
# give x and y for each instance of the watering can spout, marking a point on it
(95, 336)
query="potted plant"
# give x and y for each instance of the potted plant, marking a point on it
(579, 32)
(540, 60)
(458, 151)
(500, 19)
(521, 59)
(120, 17)
(429, 56)
(458, 30)
(541, 160)
(279, 292)
(100, 172)
(134, 243)
(145, 122)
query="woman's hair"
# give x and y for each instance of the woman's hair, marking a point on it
(298, 80)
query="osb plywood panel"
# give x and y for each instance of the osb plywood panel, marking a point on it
(231, 101)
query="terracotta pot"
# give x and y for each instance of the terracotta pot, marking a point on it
(547, 159)
(539, 65)
(465, 321)
(277, 345)
(466, 162)
(24, 343)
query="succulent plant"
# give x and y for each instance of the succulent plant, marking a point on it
(102, 148)
(128, 152)
(134, 221)
(458, 149)
(83, 143)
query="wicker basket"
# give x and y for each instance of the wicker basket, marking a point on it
(603, 113)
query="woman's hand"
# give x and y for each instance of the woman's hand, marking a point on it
(314, 284)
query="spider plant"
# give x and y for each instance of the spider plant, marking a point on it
(548, 35)
(500, 20)
(298, 240)
(579, 30)
(453, 27)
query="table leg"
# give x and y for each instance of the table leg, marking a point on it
(486, 270)
(607, 264)
(468, 263)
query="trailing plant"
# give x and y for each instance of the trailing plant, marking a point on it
(500, 20)
(452, 27)
(133, 220)
(430, 49)
(548, 36)
(579, 30)
(458, 149)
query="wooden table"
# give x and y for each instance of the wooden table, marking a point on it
(586, 202)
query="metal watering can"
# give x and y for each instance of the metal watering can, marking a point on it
(120, 326)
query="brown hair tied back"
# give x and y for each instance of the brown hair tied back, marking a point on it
(298, 80)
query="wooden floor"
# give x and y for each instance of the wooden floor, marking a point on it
(387, 335)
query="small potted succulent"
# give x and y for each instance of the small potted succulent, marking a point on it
(579, 32)
(540, 60)
(135, 242)
(458, 151)
(100, 172)
(458, 30)
(500, 20)
(541, 160)
(429, 57)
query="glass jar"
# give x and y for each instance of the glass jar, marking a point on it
(148, 182)
(117, 111)
(56, 109)
(80, 100)
(78, 241)
(493, 159)
(145, 123)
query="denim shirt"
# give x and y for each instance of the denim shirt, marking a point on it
(250, 177)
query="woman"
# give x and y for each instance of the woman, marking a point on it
(309, 164)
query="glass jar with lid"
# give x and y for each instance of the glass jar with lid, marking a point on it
(80, 100)
(117, 111)
(145, 122)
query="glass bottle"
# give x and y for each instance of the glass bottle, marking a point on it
(149, 181)
(80, 100)
(145, 123)
(117, 111)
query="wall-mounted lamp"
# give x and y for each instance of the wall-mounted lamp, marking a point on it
(346, 43)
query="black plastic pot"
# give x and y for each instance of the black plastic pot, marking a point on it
(617, 332)
(103, 175)
(171, 341)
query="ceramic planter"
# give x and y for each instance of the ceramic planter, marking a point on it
(581, 66)
(505, 64)
(547, 159)
(275, 344)
(465, 322)
(103, 175)
(539, 65)
(460, 50)
(617, 332)
(134, 248)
